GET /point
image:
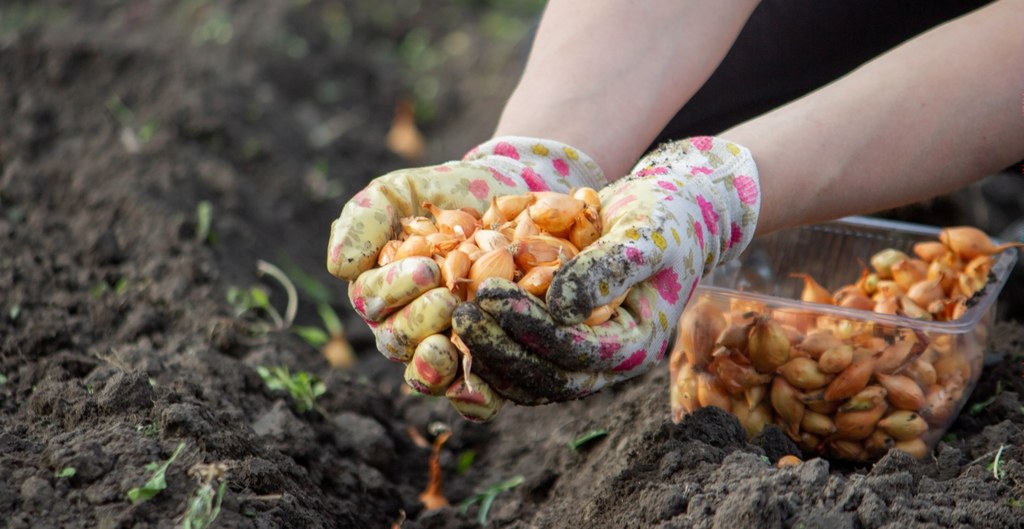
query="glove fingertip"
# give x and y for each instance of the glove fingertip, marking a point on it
(581, 285)
(378, 292)
(592, 279)
(497, 288)
(348, 256)
(465, 317)
(567, 302)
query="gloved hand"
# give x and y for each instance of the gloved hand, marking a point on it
(685, 208)
(404, 302)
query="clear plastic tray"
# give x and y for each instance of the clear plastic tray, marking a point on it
(759, 283)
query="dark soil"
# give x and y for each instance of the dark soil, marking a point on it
(117, 341)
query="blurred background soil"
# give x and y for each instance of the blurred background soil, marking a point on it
(152, 152)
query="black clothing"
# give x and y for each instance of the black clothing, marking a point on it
(791, 47)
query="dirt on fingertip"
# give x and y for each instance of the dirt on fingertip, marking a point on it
(152, 153)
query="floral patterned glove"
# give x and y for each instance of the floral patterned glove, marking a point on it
(404, 302)
(685, 208)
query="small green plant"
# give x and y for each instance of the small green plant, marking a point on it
(13, 313)
(3, 379)
(318, 337)
(1016, 504)
(138, 133)
(587, 438)
(257, 299)
(252, 299)
(204, 221)
(330, 340)
(98, 289)
(204, 503)
(203, 506)
(65, 473)
(314, 336)
(979, 407)
(158, 481)
(102, 287)
(486, 498)
(994, 465)
(303, 387)
(148, 429)
(464, 461)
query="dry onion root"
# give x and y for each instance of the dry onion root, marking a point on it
(522, 238)
(842, 387)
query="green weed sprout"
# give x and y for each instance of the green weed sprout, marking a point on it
(203, 505)
(252, 299)
(204, 221)
(157, 482)
(465, 461)
(579, 442)
(978, 408)
(256, 298)
(994, 466)
(137, 132)
(303, 387)
(486, 498)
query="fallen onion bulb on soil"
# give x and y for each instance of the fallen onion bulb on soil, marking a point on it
(523, 238)
(844, 387)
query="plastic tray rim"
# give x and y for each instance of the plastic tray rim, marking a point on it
(1000, 272)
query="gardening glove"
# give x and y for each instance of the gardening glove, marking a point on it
(404, 302)
(685, 208)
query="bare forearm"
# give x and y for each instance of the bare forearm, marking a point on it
(939, 112)
(606, 75)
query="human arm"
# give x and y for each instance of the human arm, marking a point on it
(940, 111)
(606, 75)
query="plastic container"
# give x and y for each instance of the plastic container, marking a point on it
(843, 383)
